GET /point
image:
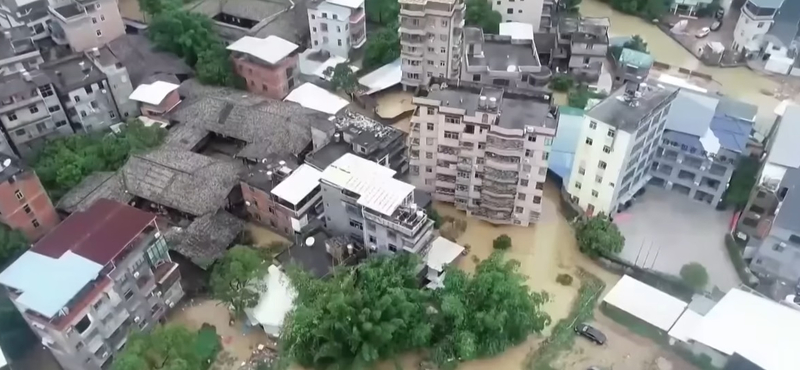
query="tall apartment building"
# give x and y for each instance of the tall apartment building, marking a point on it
(32, 15)
(118, 81)
(616, 147)
(483, 148)
(17, 51)
(84, 92)
(363, 201)
(755, 20)
(337, 26)
(268, 66)
(533, 12)
(24, 205)
(431, 36)
(99, 275)
(501, 61)
(85, 24)
(30, 112)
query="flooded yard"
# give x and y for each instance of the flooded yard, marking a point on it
(393, 103)
(262, 236)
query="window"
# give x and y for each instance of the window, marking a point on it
(323, 26)
(578, 185)
(83, 324)
(356, 224)
(540, 185)
(54, 108)
(481, 145)
(102, 17)
(537, 199)
(518, 210)
(430, 62)
(606, 149)
(18, 194)
(98, 33)
(451, 135)
(581, 171)
(20, 132)
(760, 24)
(392, 247)
(324, 39)
(76, 98)
(602, 165)
(35, 223)
(589, 141)
(46, 91)
(521, 196)
(41, 127)
(431, 111)
(339, 42)
(611, 133)
(430, 126)
(34, 109)
(94, 104)
(598, 179)
(592, 125)
(442, 64)
(510, 11)
(27, 209)
(429, 155)
(84, 114)
(61, 123)
(595, 193)
(428, 169)
(444, 23)
(476, 78)
(479, 160)
(94, 20)
(522, 182)
(12, 117)
(373, 239)
(443, 50)
(324, 15)
(128, 295)
(469, 129)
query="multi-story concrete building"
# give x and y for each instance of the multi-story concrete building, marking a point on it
(431, 36)
(85, 24)
(24, 205)
(363, 201)
(84, 92)
(483, 148)
(157, 99)
(533, 12)
(96, 277)
(30, 112)
(630, 65)
(581, 46)
(269, 66)
(32, 15)
(283, 196)
(501, 61)
(17, 51)
(337, 26)
(704, 138)
(118, 81)
(755, 19)
(620, 136)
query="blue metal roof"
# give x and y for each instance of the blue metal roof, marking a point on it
(732, 133)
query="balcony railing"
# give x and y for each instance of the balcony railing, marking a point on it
(357, 16)
(406, 220)
(501, 176)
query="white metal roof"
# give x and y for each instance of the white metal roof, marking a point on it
(47, 284)
(374, 183)
(517, 30)
(314, 97)
(645, 302)
(784, 151)
(781, 107)
(271, 49)
(383, 77)
(153, 93)
(758, 329)
(352, 4)
(442, 252)
(299, 184)
(685, 326)
(276, 301)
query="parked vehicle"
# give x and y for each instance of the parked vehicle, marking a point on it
(591, 333)
(716, 26)
(703, 32)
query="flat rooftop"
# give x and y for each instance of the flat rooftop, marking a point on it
(518, 108)
(615, 111)
(505, 56)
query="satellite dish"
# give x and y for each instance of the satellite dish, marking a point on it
(310, 241)
(6, 162)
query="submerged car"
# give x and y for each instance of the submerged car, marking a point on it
(591, 333)
(703, 32)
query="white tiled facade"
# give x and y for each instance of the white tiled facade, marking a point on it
(494, 173)
(336, 28)
(431, 34)
(524, 11)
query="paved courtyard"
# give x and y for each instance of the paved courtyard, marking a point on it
(665, 230)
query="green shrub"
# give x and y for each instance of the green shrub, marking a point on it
(695, 275)
(562, 83)
(564, 279)
(735, 254)
(502, 242)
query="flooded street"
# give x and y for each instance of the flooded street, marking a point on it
(741, 83)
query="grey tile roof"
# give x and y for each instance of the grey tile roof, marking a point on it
(269, 127)
(107, 185)
(182, 180)
(140, 58)
(788, 216)
(207, 238)
(185, 137)
(784, 149)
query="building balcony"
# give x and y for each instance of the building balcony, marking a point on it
(95, 342)
(357, 16)
(406, 221)
(500, 164)
(113, 322)
(511, 177)
(500, 191)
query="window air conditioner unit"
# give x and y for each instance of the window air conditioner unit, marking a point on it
(137, 319)
(158, 294)
(157, 234)
(171, 304)
(105, 354)
(136, 275)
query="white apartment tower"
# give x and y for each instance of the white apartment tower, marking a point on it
(483, 148)
(431, 34)
(533, 12)
(616, 146)
(755, 20)
(337, 26)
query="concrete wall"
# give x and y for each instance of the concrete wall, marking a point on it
(777, 256)
(529, 11)
(100, 25)
(13, 210)
(340, 210)
(273, 82)
(336, 39)
(673, 165)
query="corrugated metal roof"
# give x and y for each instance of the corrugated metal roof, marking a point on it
(784, 150)
(298, 185)
(374, 183)
(645, 302)
(691, 113)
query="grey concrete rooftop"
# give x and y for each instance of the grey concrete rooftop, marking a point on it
(623, 115)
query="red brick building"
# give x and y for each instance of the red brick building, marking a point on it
(24, 204)
(268, 65)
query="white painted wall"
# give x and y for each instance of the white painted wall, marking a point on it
(525, 11)
(749, 30)
(337, 38)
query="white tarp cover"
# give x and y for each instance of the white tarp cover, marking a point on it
(382, 78)
(276, 301)
(314, 97)
(646, 303)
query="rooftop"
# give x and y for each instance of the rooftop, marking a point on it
(10, 167)
(207, 238)
(72, 72)
(789, 212)
(298, 185)
(98, 185)
(181, 180)
(442, 253)
(270, 50)
(154, 93)
(376, 188)
(14, 84)
(758, 329)
(784, 150)
(645, 302)
(352, 4)
(517, 108)
(313, 258)
(501, 53)
(382, 78)
(73, 254)
(70, 10)
(636, 58)
(517, 30)
(625, 116)
(328, 153)
(142, 60)
(314, 97)
(17, 42)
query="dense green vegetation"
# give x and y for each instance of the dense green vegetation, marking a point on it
(66, 161)
(647, 9)
(695, 275)
(172, 347)
(742, 181)
(479, 14)
(237, 278)
(597, 236)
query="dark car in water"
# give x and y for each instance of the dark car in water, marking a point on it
(591, 333)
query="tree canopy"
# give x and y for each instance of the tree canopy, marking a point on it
(502, 242)
(344, 79)
(742, 181)
(578, 97)
(647, 9)
(695, 275)
(12, 244)
(237, 278)
(192, 37)
(636, 43)
(382, 47)
(570, 6)
(377, 311)
(479, 14)
(481, 315)
(170, 347)
(65, 161)
(597, 236)
(383, 12)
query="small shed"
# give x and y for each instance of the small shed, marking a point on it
(646, 303)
